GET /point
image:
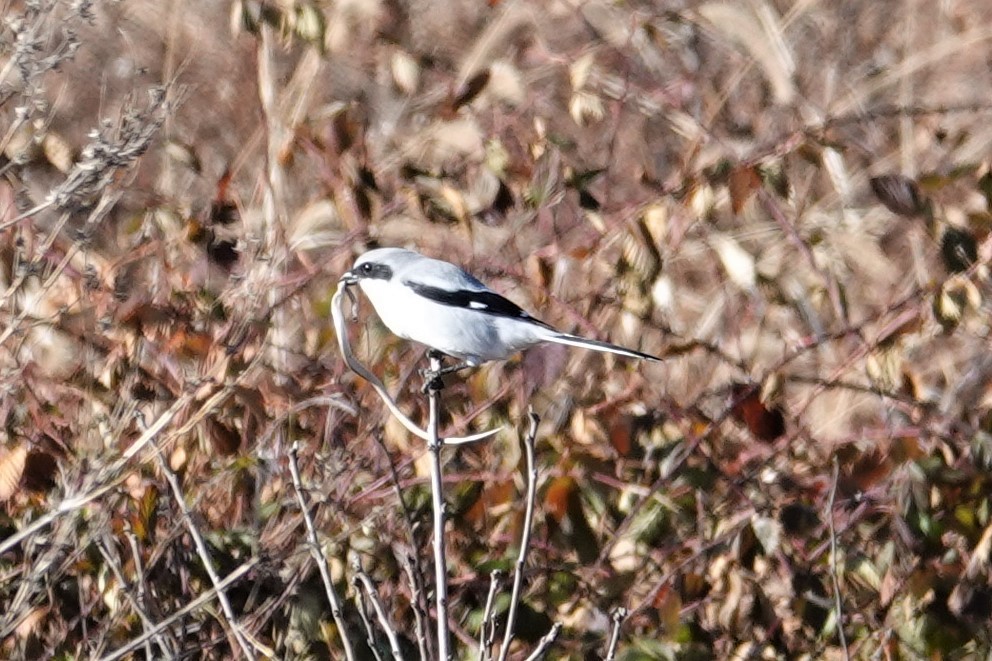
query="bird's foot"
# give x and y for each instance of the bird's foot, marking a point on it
(433, 381)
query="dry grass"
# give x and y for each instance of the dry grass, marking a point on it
(790, 201)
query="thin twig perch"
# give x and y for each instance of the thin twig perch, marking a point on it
(518, 573)
(434, 445)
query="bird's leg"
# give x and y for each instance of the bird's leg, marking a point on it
(432, 378)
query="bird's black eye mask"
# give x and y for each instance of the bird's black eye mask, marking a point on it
(373, 271)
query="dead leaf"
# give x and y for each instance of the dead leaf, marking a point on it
(743, 181)
(11, 469)
(768, 531)
(143, 520)
(762, 37)
(470, 89)
(765, 423)
(557, 496)
(224, 439)
(39, 471)
(958, 295)
(959, 249)
(405, 71)
(900, 195)
(29, 625)
(737, 262)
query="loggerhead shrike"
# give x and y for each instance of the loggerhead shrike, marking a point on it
(438, 304)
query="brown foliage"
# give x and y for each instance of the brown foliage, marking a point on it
(788, 202)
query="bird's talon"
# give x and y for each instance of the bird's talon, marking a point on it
(432, 382)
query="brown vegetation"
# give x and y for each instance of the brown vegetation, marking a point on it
(790, 201)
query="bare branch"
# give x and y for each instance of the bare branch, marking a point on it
(318, 554)
(115, 567)
(518, 573)
(487, 630)
(416, 596)
(362, 579)
(229, 580)
(434, 445)
(619, 615)
(833, 561)
(545, 643)
(369, 630)
(205, 557)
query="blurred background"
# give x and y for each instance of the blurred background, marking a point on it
(788, 201)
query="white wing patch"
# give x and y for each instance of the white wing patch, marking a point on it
(478, 305)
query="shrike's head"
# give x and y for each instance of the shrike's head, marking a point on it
(379, 264)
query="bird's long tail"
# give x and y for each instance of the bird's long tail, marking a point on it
(596, 345)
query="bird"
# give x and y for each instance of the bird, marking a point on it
(437, 304)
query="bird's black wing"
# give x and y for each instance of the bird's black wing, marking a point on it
(484, 301)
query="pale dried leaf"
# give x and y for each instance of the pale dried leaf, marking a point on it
(316, 226)
(957, 295)
(663, 293)
(733, 597)
(178, 458)
(506, 84)
(768, 531)
(30, 623)
(12, 462)
(685, 125)
(587, 430)
(482, 191)
(21, 146)
(183, 154)
(702, 200)
(454, 201)
(861, 570)
(497, 157)
(586, 108)
(447, 141)
(56, 353)
(884, 368)
(623, 555)
(607, 19)
(656, 221)
(405, 71)
(309, 23)
(834, 163)
(57, 151)
(981, 556)
(736, 22)
(737, 262)
(578, 72)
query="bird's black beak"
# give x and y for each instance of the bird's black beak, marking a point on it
(349, 278)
